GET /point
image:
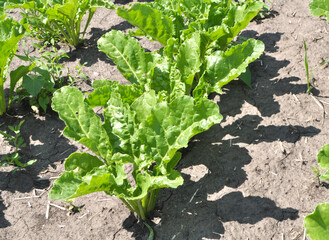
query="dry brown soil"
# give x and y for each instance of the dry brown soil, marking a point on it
(249, 177)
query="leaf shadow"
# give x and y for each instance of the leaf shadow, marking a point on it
(266, 81)
(88, 52)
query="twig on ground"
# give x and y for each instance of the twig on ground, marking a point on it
(193, 195)
(317, 102)
(104, 199)
(296, 98)
(46, 178)
(54, 205)
(47, 210)
(23, 198)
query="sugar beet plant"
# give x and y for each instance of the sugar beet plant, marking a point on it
(58, 19)
(147, 122)
(197, 36)
(138, 129)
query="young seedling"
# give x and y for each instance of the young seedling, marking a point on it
(18, 142)
(308, 73)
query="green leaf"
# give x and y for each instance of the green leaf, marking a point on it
(119, 124)
(65, 186)
(237, 19)
(172, 180)
(17, 74)
(33, 84)
(323, 161)
(11, 32)
(195, 9)
(223, 67)
(246, 77)
(131, 59)
(82, 163)
(83, 125)
(320, 8)
(169, 128)
(317, 223)
(43, 102)
(189, 59)
(104, 89)
(153, 22)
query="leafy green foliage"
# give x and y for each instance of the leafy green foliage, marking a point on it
(317, 223)
(11, 32)
(197, 58)
(320, 8)
(41, 77)
(138, 129)
(17, 141)
(52, 19)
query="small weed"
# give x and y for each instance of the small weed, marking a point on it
(17, 141)
(308, 73)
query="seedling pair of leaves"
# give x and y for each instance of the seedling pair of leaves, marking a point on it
(317, 223)
(139, 129)
(58, 19)
(197, 57)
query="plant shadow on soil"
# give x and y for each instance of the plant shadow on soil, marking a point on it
(88, 52)
(44, 142)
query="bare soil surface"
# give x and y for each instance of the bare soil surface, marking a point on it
(249, 177)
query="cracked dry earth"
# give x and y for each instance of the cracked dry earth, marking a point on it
(248, 178)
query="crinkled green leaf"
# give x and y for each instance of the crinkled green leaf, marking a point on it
(317, 223)
(153, 22)
(189, 59)
(82, 163)
(143, 106)
(195, 9)
(65, 186)
(320, 8)
(223, 67)
(237, 19)
(119, 123)
(83, 125)
(172, 180)
(169, 128)
(131, 59)
(104, 89)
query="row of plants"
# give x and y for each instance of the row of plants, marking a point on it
(146, 123)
